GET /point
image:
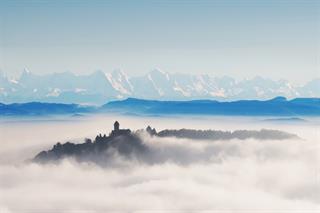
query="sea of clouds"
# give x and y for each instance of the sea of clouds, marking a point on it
(180, 174)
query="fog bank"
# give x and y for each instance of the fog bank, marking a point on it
(187, 175)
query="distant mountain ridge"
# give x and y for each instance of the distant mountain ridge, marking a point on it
(100, 87)
(278, 106)
(38, 109)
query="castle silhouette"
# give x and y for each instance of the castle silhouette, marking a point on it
(114, 133)
(117, 131)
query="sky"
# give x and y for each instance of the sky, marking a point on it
(273, 39)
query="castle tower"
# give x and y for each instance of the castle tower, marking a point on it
(116, 126)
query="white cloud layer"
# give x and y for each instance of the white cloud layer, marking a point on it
(199, 176)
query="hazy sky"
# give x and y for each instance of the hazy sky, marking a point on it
(275, 39)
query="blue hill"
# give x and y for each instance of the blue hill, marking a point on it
(278, 106)
(38, 108)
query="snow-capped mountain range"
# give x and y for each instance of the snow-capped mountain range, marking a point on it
(100, 87)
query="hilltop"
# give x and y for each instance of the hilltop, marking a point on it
(131, 145)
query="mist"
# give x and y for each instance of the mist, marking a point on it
(181, 174)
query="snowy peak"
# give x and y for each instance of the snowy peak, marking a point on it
(100, 87)
(120, 82)
(159, 75)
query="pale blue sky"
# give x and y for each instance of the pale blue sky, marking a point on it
(274, 39)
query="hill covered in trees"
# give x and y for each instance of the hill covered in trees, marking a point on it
(130, 144)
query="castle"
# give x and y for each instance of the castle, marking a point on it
(117, 131)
